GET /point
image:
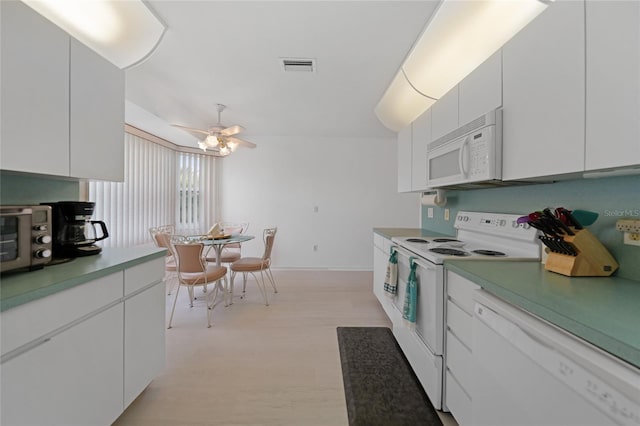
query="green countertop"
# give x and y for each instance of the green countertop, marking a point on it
(19, 288)
(603, 311)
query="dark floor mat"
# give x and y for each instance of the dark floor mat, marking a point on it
(380, 386)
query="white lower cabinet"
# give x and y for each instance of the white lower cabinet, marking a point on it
(458, 352)
(381, 253)
(144, 327)
(81, 356)
(75, 378)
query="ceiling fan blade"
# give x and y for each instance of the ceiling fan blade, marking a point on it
(230, 131)
(190, 129)
(242, 142)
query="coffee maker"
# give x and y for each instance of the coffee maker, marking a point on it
(74, 233)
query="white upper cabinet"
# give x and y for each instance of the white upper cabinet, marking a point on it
(35, 92)
(404, 159)
(421, 138)
(62, 104)
(97, 116)
(444, 114)
(481, 91)
(613, 84)
(544, 96)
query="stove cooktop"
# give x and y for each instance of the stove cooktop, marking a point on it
(482, 236)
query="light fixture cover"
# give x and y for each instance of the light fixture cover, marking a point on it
(458, 38)
(123, 32)
(401, 104)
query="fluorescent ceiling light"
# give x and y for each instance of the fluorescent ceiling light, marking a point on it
(460, 36)
(123, 32)
(401, 104)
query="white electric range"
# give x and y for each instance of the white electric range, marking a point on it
(479, 236)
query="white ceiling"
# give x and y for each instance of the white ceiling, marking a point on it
(228, 52)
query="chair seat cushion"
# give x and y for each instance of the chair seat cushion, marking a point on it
(249, 264)
(228, 256)
(212, 274)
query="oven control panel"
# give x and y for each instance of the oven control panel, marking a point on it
(501, 223)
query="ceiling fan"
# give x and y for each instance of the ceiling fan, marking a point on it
(220, 139)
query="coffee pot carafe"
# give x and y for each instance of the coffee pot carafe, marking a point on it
(75, 234)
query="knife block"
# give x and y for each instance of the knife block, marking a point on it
(592, 260)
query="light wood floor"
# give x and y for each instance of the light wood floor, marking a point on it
(261, 365)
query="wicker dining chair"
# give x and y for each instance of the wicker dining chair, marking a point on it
(252, 265)
(161, 236)
(232, 251)
(193, 270)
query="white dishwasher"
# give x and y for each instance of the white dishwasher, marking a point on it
(529, 372)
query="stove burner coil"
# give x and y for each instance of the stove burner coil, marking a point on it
(417, 240)
(489, 252)
(446, 240)
(449, 251)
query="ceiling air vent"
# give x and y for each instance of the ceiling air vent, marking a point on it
(298, 64)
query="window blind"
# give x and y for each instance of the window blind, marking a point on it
(161, 186)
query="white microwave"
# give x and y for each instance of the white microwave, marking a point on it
(468, 157)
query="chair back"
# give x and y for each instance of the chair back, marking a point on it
(268, 236)
(189, 257)
(161, 235)
(234, 228)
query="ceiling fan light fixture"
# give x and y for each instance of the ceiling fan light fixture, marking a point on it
(220, 139)
(212, 141)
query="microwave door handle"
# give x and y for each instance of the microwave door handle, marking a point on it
(461, 158)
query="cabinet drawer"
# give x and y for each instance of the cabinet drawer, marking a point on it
(460, 323)
(142, 275)
(461, 291)
(25, 323)
(459, 361)
(457, 401)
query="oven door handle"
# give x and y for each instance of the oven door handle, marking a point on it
(420, 261)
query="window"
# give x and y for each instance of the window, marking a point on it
(196, 194)
(161, 186)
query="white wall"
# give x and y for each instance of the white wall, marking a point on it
(352, 181)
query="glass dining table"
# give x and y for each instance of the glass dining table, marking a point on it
(218, 243)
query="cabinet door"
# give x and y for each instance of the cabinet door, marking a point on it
(481, 91)
(404, 159)
(543, 95)
(144, 340)
(97, 116)
(613, 84)
(380, 261)
(73, 379)
(420, 140)
(379, 271)
(35, 92)
(444, 114)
